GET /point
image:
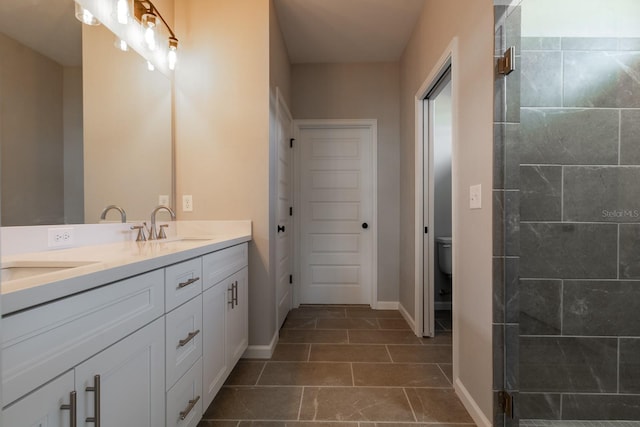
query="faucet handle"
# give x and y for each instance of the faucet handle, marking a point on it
(141, 237)
(161, 233)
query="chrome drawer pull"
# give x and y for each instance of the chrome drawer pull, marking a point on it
(187, 283)
(72, 408)
(192, 404)
(96, 401)
(189, 337)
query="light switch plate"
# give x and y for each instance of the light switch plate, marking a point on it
(475, 197)
(163, 200)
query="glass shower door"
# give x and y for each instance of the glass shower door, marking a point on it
(571, 213)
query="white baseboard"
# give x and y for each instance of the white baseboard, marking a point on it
(387, 305)
(262, 351)
(410, 320)
(470, 404)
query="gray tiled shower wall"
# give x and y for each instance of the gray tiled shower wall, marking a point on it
(574, 163)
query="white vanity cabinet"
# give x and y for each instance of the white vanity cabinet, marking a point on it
(150, 350)
(225, 315)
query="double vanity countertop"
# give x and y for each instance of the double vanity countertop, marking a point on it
(77, 269)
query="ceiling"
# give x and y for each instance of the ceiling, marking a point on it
(334, 31)
(46, 26)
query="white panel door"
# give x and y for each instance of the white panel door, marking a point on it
(284, 292)
(336, 205)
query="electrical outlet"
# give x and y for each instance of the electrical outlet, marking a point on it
(187, 203)
(60, 237)
(163, 200)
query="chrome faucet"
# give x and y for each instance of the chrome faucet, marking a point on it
(153, 235)
(123, 214)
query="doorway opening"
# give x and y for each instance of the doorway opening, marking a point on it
(437, 143)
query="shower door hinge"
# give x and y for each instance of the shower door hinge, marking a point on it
(291, 278)
(506, 403)
(291, 211)
(507, 63)
(291, 142)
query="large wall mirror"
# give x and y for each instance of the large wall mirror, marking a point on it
(83, 125)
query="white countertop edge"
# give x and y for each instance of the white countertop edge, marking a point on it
(46, 291)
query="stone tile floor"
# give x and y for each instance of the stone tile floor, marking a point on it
(346, 366)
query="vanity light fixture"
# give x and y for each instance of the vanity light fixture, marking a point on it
(84, 16)
(145, 12)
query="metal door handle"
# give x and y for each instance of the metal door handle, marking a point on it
(189, 337)
(281, 229)
(96, 401)
(72, 408)
(188, 282)
(192, 404)
(365, 225)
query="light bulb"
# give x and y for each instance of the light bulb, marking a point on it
(150, 38)
(122, 45)
(172, 58)
(122, 11)
(150, 66)
(84, 16)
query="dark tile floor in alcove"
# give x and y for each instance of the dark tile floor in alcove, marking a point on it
(346, 366)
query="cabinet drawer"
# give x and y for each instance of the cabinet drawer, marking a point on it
(184, 400)
(184, 339)
(183, 282)
(41, 343)
(222, 264)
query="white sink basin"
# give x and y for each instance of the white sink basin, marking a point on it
(15, 270)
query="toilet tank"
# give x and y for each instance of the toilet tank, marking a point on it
(444, 254)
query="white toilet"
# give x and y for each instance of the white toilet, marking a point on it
(444, 254)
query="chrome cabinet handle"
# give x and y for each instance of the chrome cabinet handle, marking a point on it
(187, 283)
(192, 404)
(72, 408)
(235, 293)
(96, 401)
(232, 300)
(189, 337)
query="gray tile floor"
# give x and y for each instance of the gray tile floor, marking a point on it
(344, 366)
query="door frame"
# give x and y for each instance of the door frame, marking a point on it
(448, 60)
(372, 126)
(281, 108)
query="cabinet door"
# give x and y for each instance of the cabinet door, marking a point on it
(237, 321)
(42, 407)
(215, 370)
(131, 381)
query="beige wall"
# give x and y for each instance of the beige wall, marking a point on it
(32, 136)
(222, 130)
(279, 64)
(472, 23)
(127, 129)
(362, 91)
